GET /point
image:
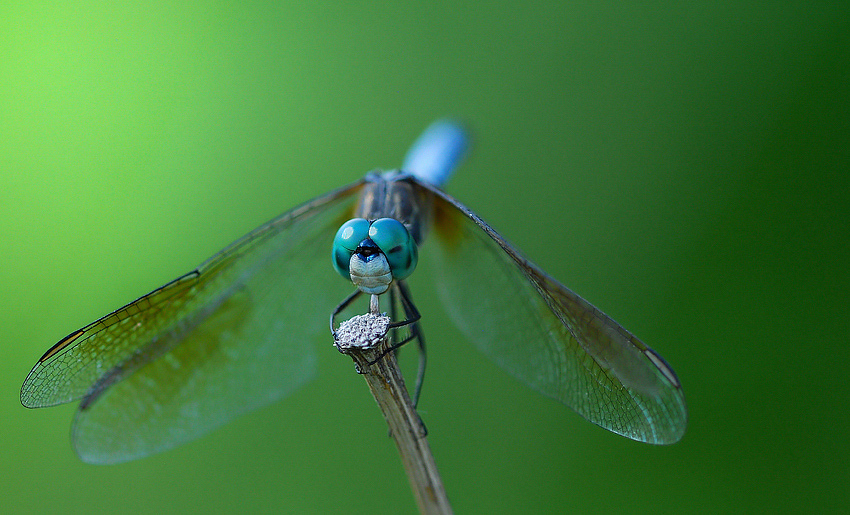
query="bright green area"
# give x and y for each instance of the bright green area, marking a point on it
(682, 166)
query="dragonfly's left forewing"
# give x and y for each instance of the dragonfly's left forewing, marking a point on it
(546, 335)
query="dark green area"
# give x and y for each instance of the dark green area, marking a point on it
(682, 166)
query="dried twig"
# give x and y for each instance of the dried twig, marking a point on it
(363, 337)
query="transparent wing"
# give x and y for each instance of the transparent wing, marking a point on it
(233, 335)
(546, 335)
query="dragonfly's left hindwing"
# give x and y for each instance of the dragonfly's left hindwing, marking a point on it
(546, 335)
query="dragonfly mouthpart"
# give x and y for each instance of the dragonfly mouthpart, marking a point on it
(369, 269)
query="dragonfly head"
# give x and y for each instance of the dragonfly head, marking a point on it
(373, 253)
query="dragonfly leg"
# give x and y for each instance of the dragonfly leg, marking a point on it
(342, 305)
(410, 312)
(412, 317)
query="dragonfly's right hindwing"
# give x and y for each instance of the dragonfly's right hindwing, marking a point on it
(233, 335)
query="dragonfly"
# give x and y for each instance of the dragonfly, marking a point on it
(237, 332)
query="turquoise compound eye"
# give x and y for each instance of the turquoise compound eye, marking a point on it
(392, 238)
(346, 240)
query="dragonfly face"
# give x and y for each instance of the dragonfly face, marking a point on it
(235, 333)
(374, 253)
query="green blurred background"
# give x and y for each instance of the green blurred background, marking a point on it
(682, 166)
